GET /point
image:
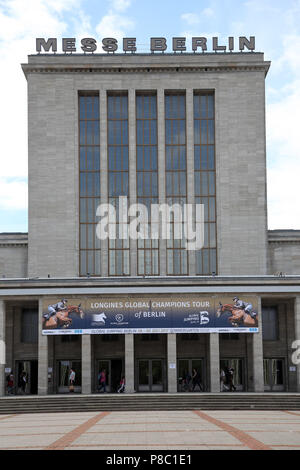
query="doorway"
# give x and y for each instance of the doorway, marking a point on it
(238, 371)
(186, 367)
(30, 368)
(150, 375)
(274, 376)
(114, 371)
(64, 368)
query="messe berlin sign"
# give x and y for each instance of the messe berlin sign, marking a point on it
(165, 313)
(157, 44)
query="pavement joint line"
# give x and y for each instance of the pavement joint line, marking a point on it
(293, 413)
(71, 436)
(240, 435)
(156, 445)
(2, 418)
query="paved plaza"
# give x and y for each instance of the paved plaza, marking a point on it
(149, 430)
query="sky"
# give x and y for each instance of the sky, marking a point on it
(275, 24)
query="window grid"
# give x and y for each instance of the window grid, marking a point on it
(89, 184)
(205, 179)
(147, 177)
(175, 175)
(118, 176)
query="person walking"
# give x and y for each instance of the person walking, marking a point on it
(232, 388)
(23, 382)
(121, 389)
(102, 380)
(10, 383)
(72, 380)
(196, 380)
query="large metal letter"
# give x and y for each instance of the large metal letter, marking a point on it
(129, 44)
(199, 42)
(88, 45)
(110, 44)
(216, 47)
(179, 44)
(158, 44)
(244, 42)
(46, 45)
(68, 45)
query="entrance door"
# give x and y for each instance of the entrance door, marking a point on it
(30, 368)
(114, 372)
(187, 366)
(64, 368)
(274, 377)
(238, 375)
(150, 375)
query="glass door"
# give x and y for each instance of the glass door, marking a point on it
(186, 369)
(238, 371)
(274, 377)
(64, 369)
(150, 375)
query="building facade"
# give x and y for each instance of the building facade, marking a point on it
(155, 129)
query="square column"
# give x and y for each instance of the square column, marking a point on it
(132, 172)
(129, 363)
(172, 360)
(257, 354)
(214, 362)
(42, 356)
(296, 354)
(190, 166)
(2, 348)
(103, 173)
(86, 364)
(161, 172)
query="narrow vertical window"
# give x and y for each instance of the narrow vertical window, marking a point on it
(147, 175)
(205, 179)
(89, 185)
(118, 167)
(176, 192)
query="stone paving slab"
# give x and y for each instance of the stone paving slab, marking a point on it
(165, 430)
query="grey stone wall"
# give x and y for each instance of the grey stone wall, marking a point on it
(238, 83)
(284, 252)
(13, 255)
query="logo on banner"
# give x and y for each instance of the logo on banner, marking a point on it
(99, 318)
(119, 317)
(204, 318)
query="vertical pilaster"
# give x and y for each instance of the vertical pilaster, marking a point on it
(129, 363)
(86, 364)
(297, 336)
(161, 172)
(132, 172)
(190, 165)
(257, 354)
(103, 174)
(42, 355)
(214, 362)
(172, 361)
(2, 347)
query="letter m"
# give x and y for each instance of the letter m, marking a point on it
(46, 45)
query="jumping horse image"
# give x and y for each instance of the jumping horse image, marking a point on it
(62, 318)
(238, 316)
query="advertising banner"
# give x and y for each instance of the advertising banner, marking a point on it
(150, 314)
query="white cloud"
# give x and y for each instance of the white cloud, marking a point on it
(114, 25)
(13, 194)
(190, 18)
(121, 5)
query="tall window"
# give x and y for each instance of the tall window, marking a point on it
(117, 132)
(89, 191)
(175, 123)
(270, 328)
(29, 326)
(205, 175)
(147, 171)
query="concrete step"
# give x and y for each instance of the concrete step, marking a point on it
(144, 402)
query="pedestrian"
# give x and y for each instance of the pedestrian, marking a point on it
(23, 382)
(72, 380)
(102, 380)
(121, 389)
(10, 383)
(232, 388)
(196, 380)
(223, 386)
